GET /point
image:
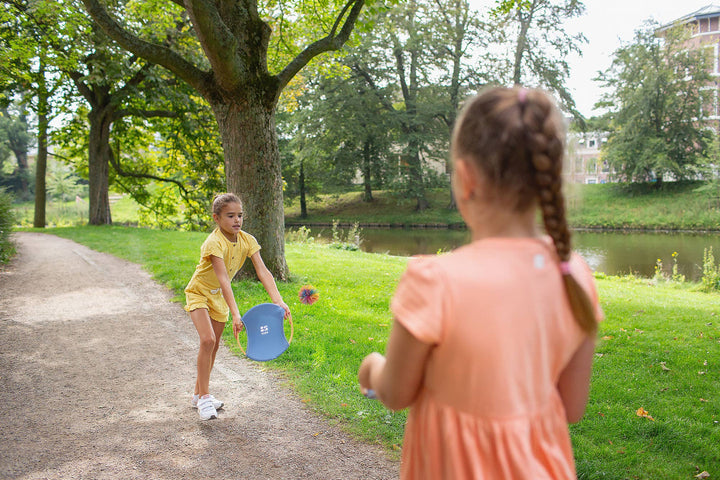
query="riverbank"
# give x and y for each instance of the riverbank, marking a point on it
(676, 206)
(657, 352)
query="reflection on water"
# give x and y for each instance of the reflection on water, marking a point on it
(613, 253)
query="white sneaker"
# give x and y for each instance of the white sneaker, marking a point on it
(205, 408)
(216, 403)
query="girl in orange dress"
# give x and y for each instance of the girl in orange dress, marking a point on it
(492, 344)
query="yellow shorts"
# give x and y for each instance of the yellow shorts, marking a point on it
(213, 302)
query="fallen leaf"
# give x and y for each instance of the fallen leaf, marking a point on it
(371, 338)
(641, 412)
(599, 355)
(705, 363)
(701, 373)
(352, 341)
(703, 474)
(664, 367)
(602, 415)
(316, 434)
(343, 404)
(637, 330)
(607, 337)
(703, 400)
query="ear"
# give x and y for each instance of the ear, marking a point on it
(466, 181)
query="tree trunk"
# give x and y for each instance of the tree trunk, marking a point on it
(252, 170)
(521, 45)
(98, 167)
(417, 184)
(367, 172)
(41, 163)
(303, 200)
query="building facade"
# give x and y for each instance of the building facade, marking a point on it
(585, 163)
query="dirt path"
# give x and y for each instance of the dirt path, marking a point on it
(96, 371)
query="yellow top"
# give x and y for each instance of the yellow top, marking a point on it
(233, 255)
(498, 318)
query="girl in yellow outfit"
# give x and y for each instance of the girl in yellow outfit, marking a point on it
(209, 296)
(492, 344)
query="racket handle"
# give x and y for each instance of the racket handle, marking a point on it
(371, 394)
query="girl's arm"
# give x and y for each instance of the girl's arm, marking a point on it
(574, 381)
(396, 379)
(225, 287)
(268, 282)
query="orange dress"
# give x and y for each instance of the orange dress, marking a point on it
(502, 330)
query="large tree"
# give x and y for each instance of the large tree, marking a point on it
(541, 44)
(657, 100)
(28, 67)
(235, 79)
(114, 83)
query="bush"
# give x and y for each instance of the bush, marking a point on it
(7, 220)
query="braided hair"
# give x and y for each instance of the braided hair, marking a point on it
(514, 136)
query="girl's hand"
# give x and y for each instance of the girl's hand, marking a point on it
(237, 325)
(284, 306)
(369, 363)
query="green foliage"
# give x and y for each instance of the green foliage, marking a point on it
(538, 44)
(657, 101)
(7, 220)
(657, 350)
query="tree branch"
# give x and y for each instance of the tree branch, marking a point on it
(82, 87)
(220, 45)
(153, 53)
(123, 173)
(137, 112)
(332, 41)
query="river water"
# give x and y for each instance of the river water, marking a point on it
(613, 253)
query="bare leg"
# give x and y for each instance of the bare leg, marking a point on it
(203, 325)
(218, 328)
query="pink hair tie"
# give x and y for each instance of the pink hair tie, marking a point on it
(565, 268)
(522, 95)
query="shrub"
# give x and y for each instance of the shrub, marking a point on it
(7, 219)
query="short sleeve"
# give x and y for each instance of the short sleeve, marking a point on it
(418, 300)
(252, 244)
(211, 246)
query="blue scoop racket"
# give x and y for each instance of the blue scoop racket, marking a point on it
(265, 333)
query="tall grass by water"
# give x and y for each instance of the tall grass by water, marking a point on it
(654, 409)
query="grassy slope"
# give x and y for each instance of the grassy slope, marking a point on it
(683, 205)
(645, 324)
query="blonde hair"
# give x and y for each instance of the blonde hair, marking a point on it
(514, 136)
(223, 199)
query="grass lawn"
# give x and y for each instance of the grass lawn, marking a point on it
(659, 350)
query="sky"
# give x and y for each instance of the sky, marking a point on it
(608, 24)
